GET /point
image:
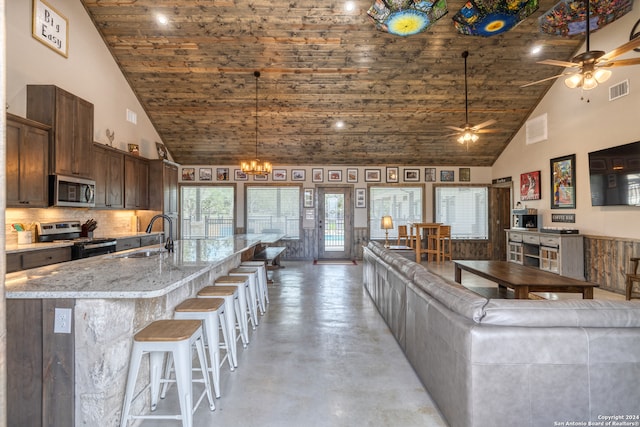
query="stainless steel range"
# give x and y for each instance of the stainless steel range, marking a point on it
(71, 231)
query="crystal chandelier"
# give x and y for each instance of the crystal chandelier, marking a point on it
(256, 167)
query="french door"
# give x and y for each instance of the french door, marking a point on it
(335, 222)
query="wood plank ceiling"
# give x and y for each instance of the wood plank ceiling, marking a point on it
(321, 64)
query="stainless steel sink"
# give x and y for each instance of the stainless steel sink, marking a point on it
(141, 254)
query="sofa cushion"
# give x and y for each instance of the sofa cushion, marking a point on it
(452, 295)
(574, 312)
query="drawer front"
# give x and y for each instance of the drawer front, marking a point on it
(533, 240)
(515, 237)
(14, 262)
(552, 242)
(45, 257)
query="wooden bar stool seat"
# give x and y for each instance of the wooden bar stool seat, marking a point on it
(176, 338)
(232, 313)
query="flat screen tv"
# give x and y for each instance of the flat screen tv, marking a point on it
(614, 175)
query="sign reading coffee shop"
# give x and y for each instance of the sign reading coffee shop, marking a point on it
(50, 27)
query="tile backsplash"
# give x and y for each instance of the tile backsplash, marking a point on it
(110, 222)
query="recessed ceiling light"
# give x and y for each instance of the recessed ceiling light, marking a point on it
(162, 19)
(349, 6)
(339, 124)
(536, 49)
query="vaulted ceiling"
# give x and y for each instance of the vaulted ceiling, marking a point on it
(320, 65)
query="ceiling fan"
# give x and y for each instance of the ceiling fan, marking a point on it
(469, 133)
(592, 65)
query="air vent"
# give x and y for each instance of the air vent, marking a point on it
(132, 117)
(619, 90)
(536, 129)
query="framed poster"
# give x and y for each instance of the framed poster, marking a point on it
(361, 197)
(430, 174)
(261, 177)
(464, 174)
(352, 175)
(50, 27)
(334, 176)
(317, 175)
(372, 175)
(188, 174)
(392, 174)
(279, 174)
(308, 197)
(205, 174)
(563, 183)
(447, 176)
(412, 175)
(297, 175)
(530, 186)
(222, 174)
(239, 175)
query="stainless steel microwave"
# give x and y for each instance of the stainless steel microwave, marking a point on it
(69, 191)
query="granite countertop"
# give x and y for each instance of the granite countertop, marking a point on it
(16, 248)
(117, 276)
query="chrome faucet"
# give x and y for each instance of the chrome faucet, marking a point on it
(169, 240)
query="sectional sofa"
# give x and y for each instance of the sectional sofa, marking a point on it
(503, 362)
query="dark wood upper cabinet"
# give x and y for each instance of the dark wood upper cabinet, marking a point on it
(136, 183)
(71, 121)
(27, 163)
(108, 167)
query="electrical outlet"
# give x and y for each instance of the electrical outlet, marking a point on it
(62, 321)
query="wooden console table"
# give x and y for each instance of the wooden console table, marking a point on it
(523, 279)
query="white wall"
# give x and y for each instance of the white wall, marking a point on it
(89, 72)
(578, 127)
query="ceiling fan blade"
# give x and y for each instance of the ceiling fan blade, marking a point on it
(483, 124)
(630, 45)
(489, 131)
(544, 80)
(558, 63)
(453, 134)
(620, 63)
(455, 128)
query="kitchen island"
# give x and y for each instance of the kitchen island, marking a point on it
(78, 378)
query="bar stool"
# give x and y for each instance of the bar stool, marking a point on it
(251, 274)
(176, 337)
(263, 292)
(242, 283)
(211, 312)
(230, 296)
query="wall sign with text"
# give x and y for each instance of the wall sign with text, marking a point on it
(50, 27)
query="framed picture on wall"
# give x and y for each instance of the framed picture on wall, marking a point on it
(465, 174)
(447, 176)
(308, 197)
(317, 175)
(361, 197)
(279, 174)
(297, 175)
(222, 174)
(372, 175)
(239, 175)
(392, 174)
(205, 174)
(430, 174)
(188, 174)
(352, 175)
(530, 186)
(563, 182)
(261, 177)
(334, 176)
(411, 175)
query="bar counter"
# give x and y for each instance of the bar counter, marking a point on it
(78, 378)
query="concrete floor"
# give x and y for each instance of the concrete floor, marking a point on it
(323, 357)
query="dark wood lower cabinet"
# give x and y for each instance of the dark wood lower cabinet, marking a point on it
(40, 365)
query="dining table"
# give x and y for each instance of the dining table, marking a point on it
(421, 232)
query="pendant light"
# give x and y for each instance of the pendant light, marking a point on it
(256, 167)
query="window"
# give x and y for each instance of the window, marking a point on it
(207, 211)
(404, 204)
(466, 209)
(274, 209)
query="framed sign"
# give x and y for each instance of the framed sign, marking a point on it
(361, 197)
(530, 186)
(50, 27)
(563, 182)
(308, 197)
